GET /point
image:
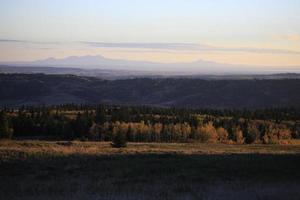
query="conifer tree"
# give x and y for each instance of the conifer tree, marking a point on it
(119, 139)
(5, 131)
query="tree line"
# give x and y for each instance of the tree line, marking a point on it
(150, 124)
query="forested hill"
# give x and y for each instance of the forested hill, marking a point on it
(39, 89)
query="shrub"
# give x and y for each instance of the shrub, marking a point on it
(208, 133)
(222, 134)
(94, 132)
(238, 136)
(119, 135)
(119, 140)
(284, 134)
(277, 133)
(270, 139)
(271, 136)
(252, 135)
(185, 132)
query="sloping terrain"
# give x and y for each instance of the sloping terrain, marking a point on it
(85, 170)
(38, 89)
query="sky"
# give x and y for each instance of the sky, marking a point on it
(252, 32)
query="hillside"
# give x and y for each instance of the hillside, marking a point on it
(37, 89)
(111, 74)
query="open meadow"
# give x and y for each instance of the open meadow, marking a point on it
(95, 170)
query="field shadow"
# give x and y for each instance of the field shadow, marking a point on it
(151, 176)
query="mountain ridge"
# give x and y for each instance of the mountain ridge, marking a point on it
(100, 62)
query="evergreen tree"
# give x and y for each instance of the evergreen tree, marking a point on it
(119, 139)
(100, 117)
(5, 131)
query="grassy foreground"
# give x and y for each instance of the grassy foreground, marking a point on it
(91, 170)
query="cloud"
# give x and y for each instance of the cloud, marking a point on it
(169, 46)
(163, 47)
(188, 47)
(26, 41)
(12, 41)
(260, 50)
(289, 37)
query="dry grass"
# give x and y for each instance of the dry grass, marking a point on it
(104, 148)
(95, 170)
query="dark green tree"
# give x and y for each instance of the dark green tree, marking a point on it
(5, 130)
(119, 140)
(100, 116)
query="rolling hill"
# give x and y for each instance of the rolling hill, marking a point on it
(40, 89)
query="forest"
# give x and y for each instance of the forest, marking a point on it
(233, 93)
(150, 124)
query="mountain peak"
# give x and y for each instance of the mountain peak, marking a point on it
(100, 62)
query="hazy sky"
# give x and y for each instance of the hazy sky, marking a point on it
(259, 32)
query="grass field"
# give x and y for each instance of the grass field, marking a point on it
(92, 170)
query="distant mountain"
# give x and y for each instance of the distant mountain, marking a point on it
(199, 67)
(39, 89)
(99, 62)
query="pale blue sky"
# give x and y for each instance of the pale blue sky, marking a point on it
(271, 24)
